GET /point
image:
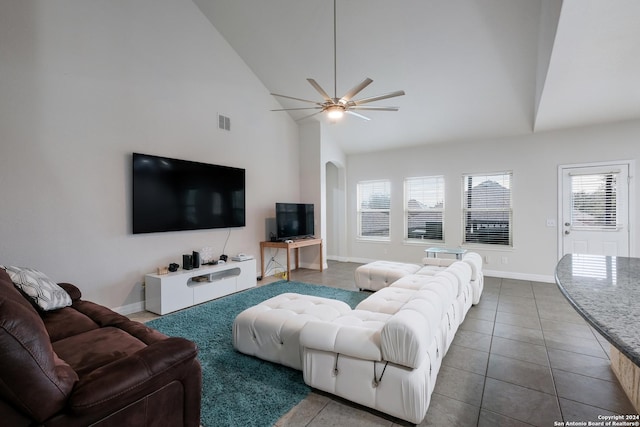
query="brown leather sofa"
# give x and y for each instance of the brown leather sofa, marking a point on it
(87, 365)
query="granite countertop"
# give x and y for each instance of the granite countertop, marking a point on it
(605, 290)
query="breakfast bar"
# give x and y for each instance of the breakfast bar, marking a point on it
(605, 290)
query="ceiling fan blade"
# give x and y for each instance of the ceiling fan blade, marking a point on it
(357, 115)
(378, 98)
(374, 108)
(302, 108)
(321, 91)
(354, 91)
(306, 117)
(296, 99)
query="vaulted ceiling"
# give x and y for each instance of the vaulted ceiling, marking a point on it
(471, 69)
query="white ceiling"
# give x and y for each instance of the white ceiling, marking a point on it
(471, 69)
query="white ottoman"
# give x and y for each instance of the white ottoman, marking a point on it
(271, 329)
(380, 274)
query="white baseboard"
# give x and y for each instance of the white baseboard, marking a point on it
(357, 260)
(312, 266)
(520, 276)
(337, 258)
(125, 310)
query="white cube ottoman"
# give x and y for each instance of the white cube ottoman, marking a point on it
(271, 329)
(380, 274)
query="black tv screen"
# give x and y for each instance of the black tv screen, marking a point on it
(294, 220)
(173, 195)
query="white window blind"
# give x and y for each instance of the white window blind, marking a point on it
(374, 207)
(487, 212)
(424, 208)
(594, 201)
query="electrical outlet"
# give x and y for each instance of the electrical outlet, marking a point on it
(486, 259)
(551, 222)
(505, 260)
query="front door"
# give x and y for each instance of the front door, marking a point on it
(595, 209)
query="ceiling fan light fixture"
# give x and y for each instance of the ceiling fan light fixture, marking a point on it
(336, 107)
(335, 112)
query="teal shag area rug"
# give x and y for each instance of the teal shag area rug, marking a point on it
(240, 390)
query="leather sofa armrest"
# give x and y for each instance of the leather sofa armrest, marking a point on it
(115, 385)
(105, 317)
(72, 290)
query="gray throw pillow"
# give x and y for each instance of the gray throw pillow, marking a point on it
(44, 292)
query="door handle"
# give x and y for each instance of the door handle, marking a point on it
(567, 224)
(567, 232)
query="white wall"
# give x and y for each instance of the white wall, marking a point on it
(323, 182)
(334, 182)
(83, 84)
(534, 160)
(333, 219)
(311, 175)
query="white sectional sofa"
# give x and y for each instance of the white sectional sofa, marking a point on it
(271, 329)
(432, 266)
(380, 274)
(385, 354)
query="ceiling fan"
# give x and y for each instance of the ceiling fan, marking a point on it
(336, 107)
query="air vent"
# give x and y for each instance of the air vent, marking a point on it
(224, 122)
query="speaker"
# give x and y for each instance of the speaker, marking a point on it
(187, 262)
(195, 259)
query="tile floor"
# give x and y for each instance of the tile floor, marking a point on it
(522, 357)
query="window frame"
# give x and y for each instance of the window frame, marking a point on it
(360, 210)
(439, 186)
(467, 211)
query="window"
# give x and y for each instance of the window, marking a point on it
(487, 212)
(424, 207)
(593, 201)
(374, 206)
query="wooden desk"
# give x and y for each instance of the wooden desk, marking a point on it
(295, 244)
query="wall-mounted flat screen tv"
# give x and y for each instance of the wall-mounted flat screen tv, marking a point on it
(173, 195)
(294, 220)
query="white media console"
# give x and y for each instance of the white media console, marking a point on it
(165, 293)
